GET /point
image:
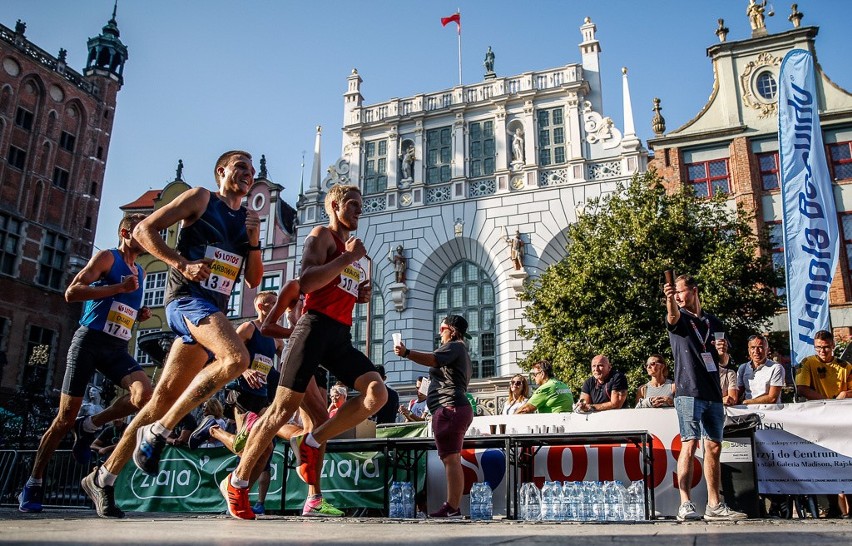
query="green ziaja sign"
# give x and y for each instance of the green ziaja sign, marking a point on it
(189, 482)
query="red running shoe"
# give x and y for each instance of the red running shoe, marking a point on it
(306, 459)
(237, 499)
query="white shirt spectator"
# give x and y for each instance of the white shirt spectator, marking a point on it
(756, 381)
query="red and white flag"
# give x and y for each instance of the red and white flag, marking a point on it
(454, 18)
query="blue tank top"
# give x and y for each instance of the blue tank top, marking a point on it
(262, 351)
(219, 234)
(116, 314)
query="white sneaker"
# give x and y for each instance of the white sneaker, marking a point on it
(722, 512)
(687, 512)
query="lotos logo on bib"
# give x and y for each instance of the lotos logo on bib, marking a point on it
(223, 271)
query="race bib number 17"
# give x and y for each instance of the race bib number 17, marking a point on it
(120, 320)
(223, 271)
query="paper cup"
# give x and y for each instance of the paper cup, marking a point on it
(718, 336)
(397, 338)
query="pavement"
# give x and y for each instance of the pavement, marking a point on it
(84, 527)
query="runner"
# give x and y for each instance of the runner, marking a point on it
(217, 236)
(111, 285)
(333, 278)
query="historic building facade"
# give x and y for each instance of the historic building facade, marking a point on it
(467, 193)
(731, 145)
(55, 128)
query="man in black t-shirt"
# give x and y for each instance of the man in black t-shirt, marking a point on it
(605, 390)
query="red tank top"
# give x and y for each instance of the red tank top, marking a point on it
(337, 299)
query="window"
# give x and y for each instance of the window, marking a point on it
(776, 242)
(17, 157)
(52, 264)
(10, 236)
(38, 357)
(141, 356)
(709, 178)
(769, 171)
(264, 232)
(766, 85)
(60, 178)
(467, 291)
(376, 166)
(271, 282)
(841, 160)
(154, 293)
(551, 137)
(24, 118)
(93, 189)
(846, 226)
(67, 141)
(377, 332)
(481, 148)
(235, 302)
(439, 155)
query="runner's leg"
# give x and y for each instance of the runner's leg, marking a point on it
(69, 406)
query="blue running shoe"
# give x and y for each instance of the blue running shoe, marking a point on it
(30, 499)
(149, 447)
(202, 433)
(258, 509)
(82, 449)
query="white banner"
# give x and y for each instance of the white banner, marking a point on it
(811, 244)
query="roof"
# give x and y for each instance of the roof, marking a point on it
(145, 201)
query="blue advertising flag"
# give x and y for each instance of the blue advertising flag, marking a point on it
(811, 243)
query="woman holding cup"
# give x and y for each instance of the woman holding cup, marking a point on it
(452, 414)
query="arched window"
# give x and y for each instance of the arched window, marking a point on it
(467, 291)
(377, 333)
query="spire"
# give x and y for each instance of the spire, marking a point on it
(316, 173)
(107, 54)
(629, 129)
(302, 176)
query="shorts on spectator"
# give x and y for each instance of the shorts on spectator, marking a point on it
(448, 426)
(700, 418)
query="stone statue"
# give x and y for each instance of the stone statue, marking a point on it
(263, 173)
(516, 250)
(489, 61)
(795, 16)
(408, 163)
(754, 11)
(179, 171)
(399, 263)
(518, 145)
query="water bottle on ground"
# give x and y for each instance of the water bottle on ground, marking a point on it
(636, 500)
(621, 501)
(475, 498)
(548, 502)
(395, 509)
(408, 499)
(598, 508)
(487, 502)
(530, 502)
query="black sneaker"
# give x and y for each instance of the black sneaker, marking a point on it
(102, 497)
(149, 447)
(202, 433)
(82, 449)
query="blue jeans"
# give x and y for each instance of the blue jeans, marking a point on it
(697, 417)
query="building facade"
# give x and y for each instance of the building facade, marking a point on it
(731, 145)
(55, 128)
(467, 193)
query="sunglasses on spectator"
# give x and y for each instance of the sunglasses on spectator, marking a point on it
(518, 383)
(652, 364)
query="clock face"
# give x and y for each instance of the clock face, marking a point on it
(518, 183)
(405, 199)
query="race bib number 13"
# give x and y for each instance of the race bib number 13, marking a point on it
(223, 270)
(120, 320)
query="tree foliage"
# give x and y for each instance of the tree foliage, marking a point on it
(606, 295)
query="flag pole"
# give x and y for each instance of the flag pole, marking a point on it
(458, 11)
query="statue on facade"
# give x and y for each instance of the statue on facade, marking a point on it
(399, 263)
(518, 145)
(407, 159)
(754, 11)
(489, 61)
(179, 171)
(516, 249)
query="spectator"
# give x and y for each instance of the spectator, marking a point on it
(450, 371)
(824, 377)
(389, 411)
(416, 410)
(659, 392)
(605, 390)
(181, 433)
(760, 380)
(727, 375)
(338, 398)
(551, 396)
(109, 437)
(213, 415)
(519, 393)
(700, 411)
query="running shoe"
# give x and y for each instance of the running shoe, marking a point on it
(102, 497)
(447, 511)
(258, 509)
(687, 512)
(243, 434)
(306, 459)
(237, 499)
(202, 433)
(30, 499)
(149, 447)
(82, 448)
(722, 512)
(320, 508)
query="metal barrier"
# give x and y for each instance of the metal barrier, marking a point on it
(61, 480)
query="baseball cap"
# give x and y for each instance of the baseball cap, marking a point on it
(459, 323)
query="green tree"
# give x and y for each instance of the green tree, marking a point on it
(606, 295)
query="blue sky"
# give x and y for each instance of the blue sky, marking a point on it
(205, 76)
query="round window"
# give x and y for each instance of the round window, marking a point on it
(766, 85)
(258, 201)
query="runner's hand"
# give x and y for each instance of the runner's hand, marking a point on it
(197, 270)
(253, 378)
(365, 290)
(253, 227)
(356, 247)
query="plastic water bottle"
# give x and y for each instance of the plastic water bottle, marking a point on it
(621, 501)
(598, 512)
(395, 507)
(548, 502)
(610, 502)
(408, 499)
(487, 502)
(636, 501)
(475, 502)
(530, 502)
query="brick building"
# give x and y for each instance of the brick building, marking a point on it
(731, 145)
(55, 127)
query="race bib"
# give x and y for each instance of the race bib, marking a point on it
(120, 320)
(262, 364)
(223, 271)
(351, 277)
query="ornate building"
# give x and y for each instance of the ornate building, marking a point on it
(467, 192)
(55, 128)
(731, 145)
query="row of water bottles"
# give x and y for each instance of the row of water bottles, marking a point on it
(583, 501)
(481, 502)
(401, 500)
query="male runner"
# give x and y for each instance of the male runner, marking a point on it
(111, 285)
(217, 236)
(333, 279)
